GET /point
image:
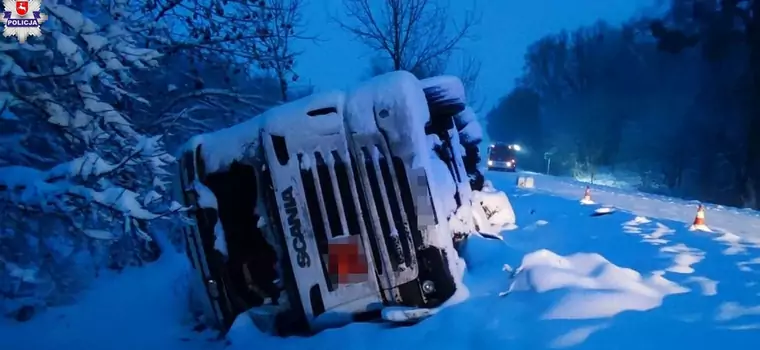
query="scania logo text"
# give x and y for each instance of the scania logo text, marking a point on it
(294, 224)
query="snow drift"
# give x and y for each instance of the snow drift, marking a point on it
(591, 286)
(490, 212)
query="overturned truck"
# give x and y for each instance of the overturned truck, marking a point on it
(327, 209)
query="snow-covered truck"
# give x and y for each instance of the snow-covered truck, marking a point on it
(327, 209)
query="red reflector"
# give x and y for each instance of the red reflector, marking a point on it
(346, 262)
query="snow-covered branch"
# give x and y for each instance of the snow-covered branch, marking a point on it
(82, 181)
(73, 89)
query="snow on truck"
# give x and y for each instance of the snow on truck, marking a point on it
(331, 208)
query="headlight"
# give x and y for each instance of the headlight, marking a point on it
(490, 162)
(428, 287)
(509, 163)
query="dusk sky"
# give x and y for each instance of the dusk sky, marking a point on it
(506, 29)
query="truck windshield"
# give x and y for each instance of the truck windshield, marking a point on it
(501, 154)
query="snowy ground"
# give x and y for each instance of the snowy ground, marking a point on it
(743, 223)
(634, 279)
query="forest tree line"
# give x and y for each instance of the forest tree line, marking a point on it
(670, 102)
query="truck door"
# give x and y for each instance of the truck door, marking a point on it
(199, 238)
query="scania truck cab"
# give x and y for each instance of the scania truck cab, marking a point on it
(321, 211)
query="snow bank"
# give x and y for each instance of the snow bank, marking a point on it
(492, 210)
(244, 334)
(484, 254)
(621, 178)
(151, 300)
(592, 287)
(489, 212)
(583, 286)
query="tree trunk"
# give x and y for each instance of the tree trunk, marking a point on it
(752, 155)
(283, 86)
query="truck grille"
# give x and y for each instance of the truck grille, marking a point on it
(340, 201)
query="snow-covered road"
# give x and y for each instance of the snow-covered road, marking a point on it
(740, 222)
(634, 279)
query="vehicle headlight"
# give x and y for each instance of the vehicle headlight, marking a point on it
(490, 162)
(509, 163)
(428, 287)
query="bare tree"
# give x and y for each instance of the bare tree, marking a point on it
(285, 24)
(244, 34)
(469, 70)
(414, 35)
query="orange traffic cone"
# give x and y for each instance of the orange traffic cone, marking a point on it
(587, 195)
(699, 220)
